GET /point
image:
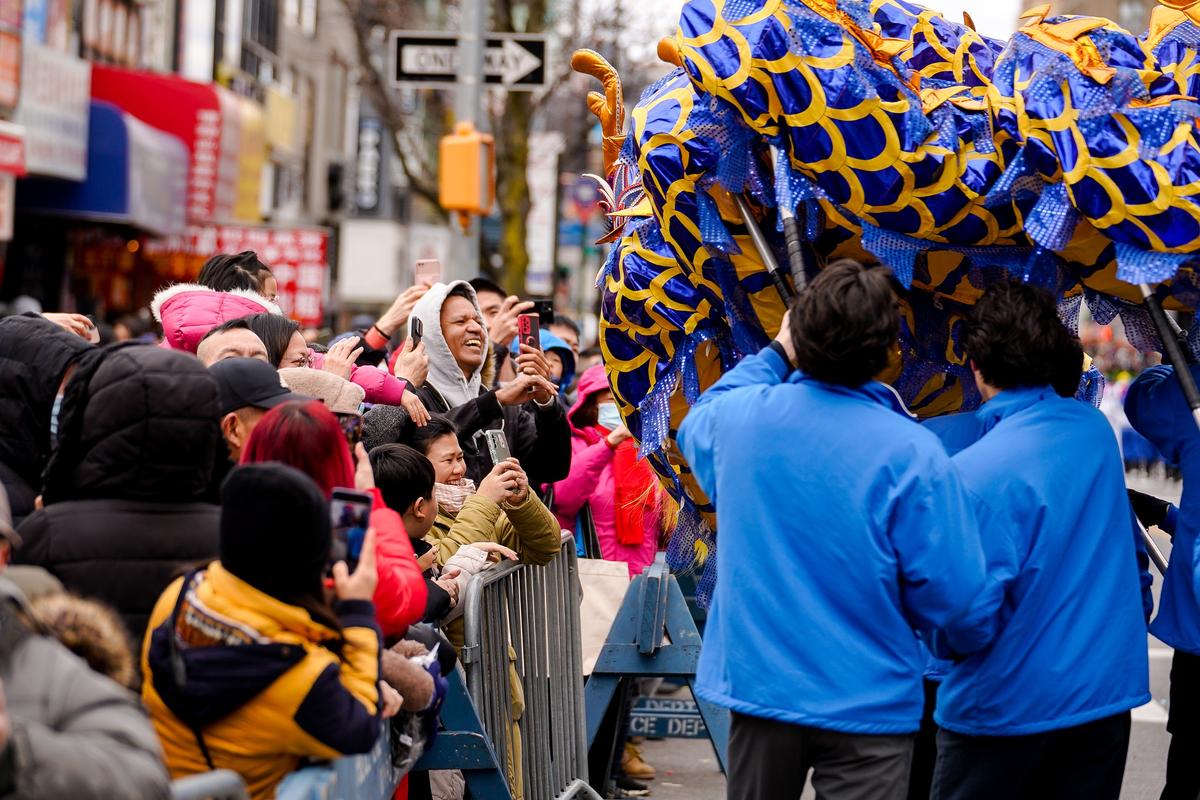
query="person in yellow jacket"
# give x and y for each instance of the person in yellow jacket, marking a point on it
(246, 665)
(504, 510)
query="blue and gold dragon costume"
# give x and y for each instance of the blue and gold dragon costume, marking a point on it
(1068, 156)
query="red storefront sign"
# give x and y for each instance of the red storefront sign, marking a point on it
(298, 257)
(190, 111)
(10, 53)
(12, 149)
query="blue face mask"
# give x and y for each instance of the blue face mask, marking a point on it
(608, 416)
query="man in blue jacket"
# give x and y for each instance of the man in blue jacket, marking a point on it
(1157, 410)
(822, 480)
(1043, 710)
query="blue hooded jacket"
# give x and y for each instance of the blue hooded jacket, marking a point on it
(1157, 410)
(843, 528)
(1067, 559)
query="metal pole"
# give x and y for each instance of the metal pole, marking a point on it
(791, 236)
(764, 250)
(464, 259)
(1173, 351)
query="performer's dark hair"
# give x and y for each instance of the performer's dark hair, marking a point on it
(1015, 338)
(846, 323)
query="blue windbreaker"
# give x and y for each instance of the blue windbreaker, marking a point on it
(843, 527)
(956, 433)
(1157, 410)
(1062, 543)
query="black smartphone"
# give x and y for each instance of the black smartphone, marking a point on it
(416, 331)
(350, 515)
(545, 311)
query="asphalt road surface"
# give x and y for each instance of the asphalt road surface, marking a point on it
(687, 768)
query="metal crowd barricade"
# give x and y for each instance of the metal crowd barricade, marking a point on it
(220, 784)
(523, 621)
(366, 777)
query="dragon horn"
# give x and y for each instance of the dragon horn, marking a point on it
(668, 51)
(612, 122)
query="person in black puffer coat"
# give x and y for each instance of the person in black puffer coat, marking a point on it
(122, 511)
(35, 356)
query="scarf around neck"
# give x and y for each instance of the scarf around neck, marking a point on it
(633, 484)
(451, 496)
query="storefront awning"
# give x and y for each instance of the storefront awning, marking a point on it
(136, 175)
(225, 150)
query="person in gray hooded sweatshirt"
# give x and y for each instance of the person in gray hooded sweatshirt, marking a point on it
(460, 366)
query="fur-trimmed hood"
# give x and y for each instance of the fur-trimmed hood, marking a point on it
(187, 311)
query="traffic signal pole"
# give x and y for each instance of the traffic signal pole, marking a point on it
(465, 247)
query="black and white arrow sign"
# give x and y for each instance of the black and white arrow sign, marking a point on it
(424, 58)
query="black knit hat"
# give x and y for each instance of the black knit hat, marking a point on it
(275, 532)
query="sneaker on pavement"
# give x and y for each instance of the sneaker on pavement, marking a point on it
(628, 787)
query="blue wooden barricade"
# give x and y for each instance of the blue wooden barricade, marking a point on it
(667, 718)
(465, 746)
(653, 605)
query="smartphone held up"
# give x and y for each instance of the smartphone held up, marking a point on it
(350, 515)
(529, 330)
(497, 445)
(427, 272)
(545, 311)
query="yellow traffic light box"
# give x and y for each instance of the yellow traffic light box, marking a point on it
(467, 172)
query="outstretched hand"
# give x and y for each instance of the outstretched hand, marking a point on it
(340, 358)
(359, 585)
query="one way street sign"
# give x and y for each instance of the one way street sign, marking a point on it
(424, 58)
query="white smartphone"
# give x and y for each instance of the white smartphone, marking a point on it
(427, 271)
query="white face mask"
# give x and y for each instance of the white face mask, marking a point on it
(608, 416)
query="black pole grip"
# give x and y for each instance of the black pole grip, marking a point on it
(786, 292)
(795, 251)
(1173, 351)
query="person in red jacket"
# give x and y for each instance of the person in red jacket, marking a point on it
(307, 436)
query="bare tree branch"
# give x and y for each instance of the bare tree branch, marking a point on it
(421, 177)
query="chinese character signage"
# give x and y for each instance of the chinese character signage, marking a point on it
(298, 257)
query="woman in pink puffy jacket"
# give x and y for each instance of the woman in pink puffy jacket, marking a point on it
(286, 348)
(607, 474)
(232, 286)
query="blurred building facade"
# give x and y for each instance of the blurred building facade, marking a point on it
(137, 137)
